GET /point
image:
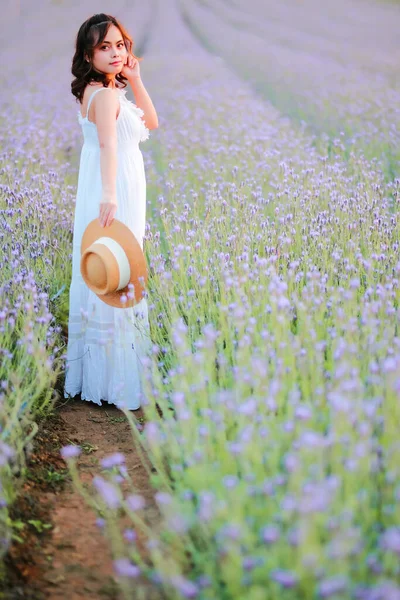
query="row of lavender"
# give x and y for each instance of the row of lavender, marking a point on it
(331, 65)
(40, 140)
(274, 296)
(35, 240)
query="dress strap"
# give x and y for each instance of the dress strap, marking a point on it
(91, 98)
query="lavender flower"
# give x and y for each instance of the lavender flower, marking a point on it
(130, 535)
(188, 589)
(135, 502)
(108, 492)
(163, 498)
(332, 586)
(125, 568)
(100, 522)
(270, 534)
(70, 451)
(113, 460)
(287, 579)
(390, 540)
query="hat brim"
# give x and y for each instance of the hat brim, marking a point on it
(137, 261)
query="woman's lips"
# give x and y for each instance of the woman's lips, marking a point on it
(116, 63)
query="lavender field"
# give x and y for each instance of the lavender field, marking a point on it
(273, 249)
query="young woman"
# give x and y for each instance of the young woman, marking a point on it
(106, 344)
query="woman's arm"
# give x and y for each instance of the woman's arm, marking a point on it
(143, 101)
(106, 110)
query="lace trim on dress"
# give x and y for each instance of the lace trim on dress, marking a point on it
(145, 131)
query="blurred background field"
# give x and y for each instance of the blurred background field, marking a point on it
(273, 248)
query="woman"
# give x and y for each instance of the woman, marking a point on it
(106, 344)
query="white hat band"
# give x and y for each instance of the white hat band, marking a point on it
(120, 256)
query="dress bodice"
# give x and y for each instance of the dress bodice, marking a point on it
(131, 128)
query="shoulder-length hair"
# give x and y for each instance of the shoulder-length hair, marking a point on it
(90, 36)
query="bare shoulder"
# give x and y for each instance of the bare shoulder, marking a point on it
(102, 99)
(89, 90)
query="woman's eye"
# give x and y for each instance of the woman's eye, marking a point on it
(104, 47)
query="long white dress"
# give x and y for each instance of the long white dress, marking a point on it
(106, 344)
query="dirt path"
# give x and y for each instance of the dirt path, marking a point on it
(73, 560)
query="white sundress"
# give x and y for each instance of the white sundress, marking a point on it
(106, 344)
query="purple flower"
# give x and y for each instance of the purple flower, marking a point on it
(204, 581)
(303, 412)
(270, 534)
(113, 460)
(70, 451)
(130, 535)
(251, 562)
(231, 531)
(118, 478)
(125, 568)
(230, 481)
(289, 503)
(135, 502)
(235, 448)
(6, 451)
(178, 398)
(187, 588)
(291, 462)
(249, 407)
(107, 491)
(163, 498)
(312, 439)
(100, 522)
(385, 590)
(332, 586)
(187, 494)
(374, 564)
(178, 523)
(206, 505)
(294, 537)
(286, 578)
(390, 540)
(152, 433)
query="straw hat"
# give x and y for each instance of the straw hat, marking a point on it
(111, 259)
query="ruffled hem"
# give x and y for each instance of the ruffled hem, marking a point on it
(98, 379)
(98, 402)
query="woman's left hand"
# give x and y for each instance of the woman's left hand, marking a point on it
(131, 68)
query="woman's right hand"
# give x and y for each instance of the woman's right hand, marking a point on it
(107, 212)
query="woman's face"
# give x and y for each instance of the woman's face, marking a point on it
(111, 50)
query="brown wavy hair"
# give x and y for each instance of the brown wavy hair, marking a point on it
(90, 36)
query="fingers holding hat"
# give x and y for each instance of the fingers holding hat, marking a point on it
(107, 213)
